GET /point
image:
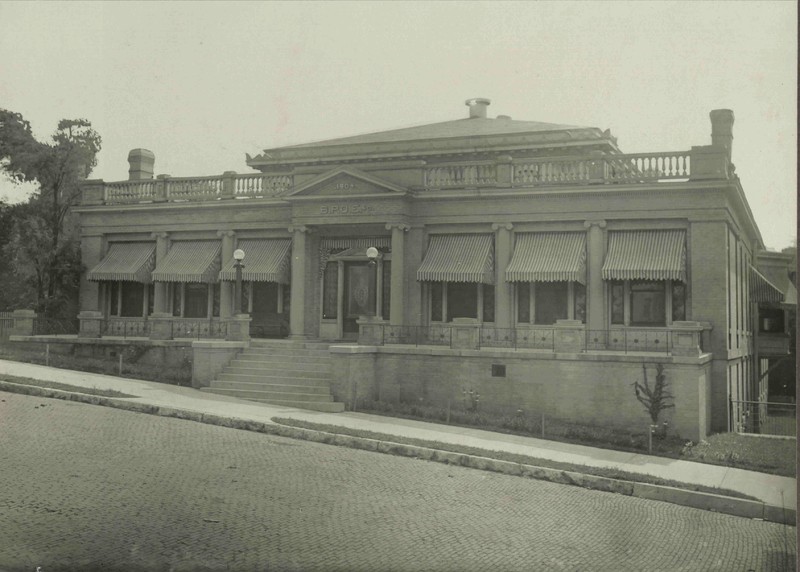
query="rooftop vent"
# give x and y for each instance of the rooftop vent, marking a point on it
(477, 107)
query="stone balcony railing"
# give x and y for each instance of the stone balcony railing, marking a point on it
(182, 189)
(679, 339)
(706, 162)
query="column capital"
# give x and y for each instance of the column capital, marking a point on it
(503, 225)
(229, 233)
(301, 228)
(398, 225)
(590, 223)
(159, 235)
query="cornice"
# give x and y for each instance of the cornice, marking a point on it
(410, 150)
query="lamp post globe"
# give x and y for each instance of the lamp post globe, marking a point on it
(238, 256)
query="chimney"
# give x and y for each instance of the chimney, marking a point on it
(477, 107)
(141, 164)
(722, 129)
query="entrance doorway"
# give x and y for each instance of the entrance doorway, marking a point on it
(359, 295)
(269, 316)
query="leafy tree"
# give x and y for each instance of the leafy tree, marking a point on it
(41, 246)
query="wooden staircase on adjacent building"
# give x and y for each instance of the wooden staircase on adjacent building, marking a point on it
(280, 372)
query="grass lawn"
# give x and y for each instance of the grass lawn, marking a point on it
(753, 452)
(63, 386)
(511, 457)
(108, 366)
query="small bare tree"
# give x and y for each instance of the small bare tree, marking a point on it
(657, 398)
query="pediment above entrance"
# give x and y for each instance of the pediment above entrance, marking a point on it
(345, 182)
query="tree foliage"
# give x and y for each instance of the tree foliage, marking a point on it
(40, 245)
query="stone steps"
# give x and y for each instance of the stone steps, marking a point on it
(280, 372)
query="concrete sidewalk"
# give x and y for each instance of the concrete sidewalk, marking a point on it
(771, 489)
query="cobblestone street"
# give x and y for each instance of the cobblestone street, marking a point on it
(94, 488)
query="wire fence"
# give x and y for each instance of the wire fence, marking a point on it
(764, 418)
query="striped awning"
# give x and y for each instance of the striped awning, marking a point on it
(190, 261)
(548, 257)
(264, 261)
(458, 258)
(761, 289)
(126, 261)
(646, 255)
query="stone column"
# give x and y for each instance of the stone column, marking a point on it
(414, 247)
(396, 309)
(595, 254)
(226, 286)
(160, 288)
(297, 311)
(91, 254)
(503, 291)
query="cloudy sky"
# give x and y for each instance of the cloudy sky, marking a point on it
(201, 84)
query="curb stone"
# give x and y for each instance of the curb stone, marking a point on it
(694, 499)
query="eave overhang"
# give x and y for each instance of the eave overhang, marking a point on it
(421, 148)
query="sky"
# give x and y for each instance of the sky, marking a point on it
(201, 84)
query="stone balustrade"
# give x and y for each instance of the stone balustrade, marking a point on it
(629, 168)
(183, 189)
(705, 162)
(469, 175)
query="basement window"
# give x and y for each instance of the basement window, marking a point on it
(498, 370)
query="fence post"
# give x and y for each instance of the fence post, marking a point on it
(120, 364)
(47, 355)
(228, 185)
(24, 322)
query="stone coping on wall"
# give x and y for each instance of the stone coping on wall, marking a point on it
(499, 353)
(219, 344)
(104, 341)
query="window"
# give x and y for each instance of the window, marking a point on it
(617, 302)
(437, 301)
(548, 302)
(524, 302)
(450, 300)
(151, 298)
(579, 295)
(330, 291)
(113, 298)
(194, 300)
(126, 299)
(132, 302)
(462, 300)
(195, 304)
(386, 289)
(678, 301)
(488, 303)
(770, 320)
(647, 303)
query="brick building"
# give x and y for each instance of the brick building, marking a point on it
(534, 264)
